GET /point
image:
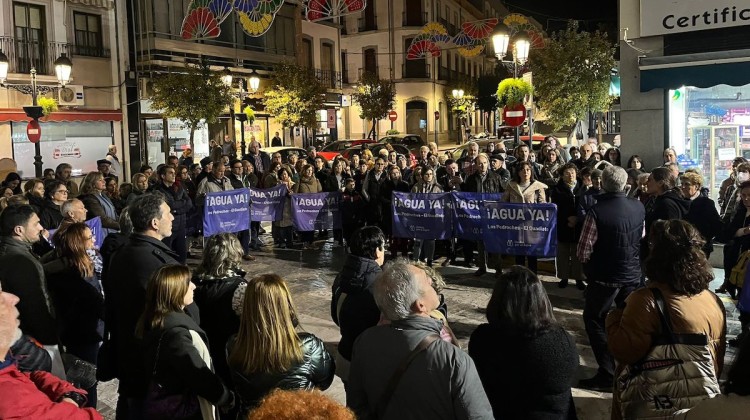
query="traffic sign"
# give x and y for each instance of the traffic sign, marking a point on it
(34, 131)
(393, 116)
(515, 115)
(437, 115)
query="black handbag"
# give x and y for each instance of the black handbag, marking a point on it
(161, 404)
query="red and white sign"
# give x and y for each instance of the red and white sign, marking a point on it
(331, 118)
(393, 116)
(437, 115)
(34, 131)
(514, 116)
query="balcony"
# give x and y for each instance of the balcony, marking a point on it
(413, 19)
(451, 28)
(24, 55)
(363, 71)
(328, 78)
(415, 70)
(98, 52)
(367, 24)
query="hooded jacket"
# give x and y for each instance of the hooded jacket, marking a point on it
(534, 193)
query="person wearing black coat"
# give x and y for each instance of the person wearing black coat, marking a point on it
(702, 212)
(49, 215)
(351, 209)
(180, 204)
(372, 187)
(482, 180)
(530, 379)
(393, 183)
(564, 195)
(128, 273)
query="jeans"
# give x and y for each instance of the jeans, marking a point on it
(598, 302)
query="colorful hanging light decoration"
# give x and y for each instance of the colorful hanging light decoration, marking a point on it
(426, 43)
(204, 17)
(316, 10)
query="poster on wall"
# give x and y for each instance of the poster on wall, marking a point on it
(80, 152)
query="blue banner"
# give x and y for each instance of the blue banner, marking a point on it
(94, 224)
(316, 211)
(467, 213)
(267, 205)
(520, 229)
(226, 211)
(421, 216)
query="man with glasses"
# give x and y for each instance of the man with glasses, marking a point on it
(63, 172)
(180, 204)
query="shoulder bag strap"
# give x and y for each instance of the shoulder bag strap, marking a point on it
(156, 356)
(666, 328)
(396, 377)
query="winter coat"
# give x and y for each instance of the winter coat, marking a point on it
(703, 215)
(214, 298)
(441, 383)
(386, 201)
(95, 209)
(566, 199)
(631, 330)
(49, 215)
(491, 183)
(210, 184)
(536, 384)
(667, 206)
(286, 214)
(731, 407)
(315, 371)
(534, 193)
(178, 201)
(307, 186)
(351, 208)
(35, 396)
(22, 274)
(357, 311)
(79, 303)
(432, 188)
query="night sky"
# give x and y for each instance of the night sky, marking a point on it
(553, 14)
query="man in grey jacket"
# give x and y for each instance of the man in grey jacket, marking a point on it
(440, 383)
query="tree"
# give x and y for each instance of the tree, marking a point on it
(194, 96)
(295, 97)
(461, 107)
(375, 98)
(572, 74)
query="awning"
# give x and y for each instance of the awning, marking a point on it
(701, 70)
(17, 115)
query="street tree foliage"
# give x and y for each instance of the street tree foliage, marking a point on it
(194, 96)
(572, 75)
(295, 96)
(375, 98)
(461, 107)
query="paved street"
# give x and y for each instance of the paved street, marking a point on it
(311, 273)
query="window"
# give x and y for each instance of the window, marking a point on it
(88, 34)
(307, 53)
(30, 40)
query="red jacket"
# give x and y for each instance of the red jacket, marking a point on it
(33, 396)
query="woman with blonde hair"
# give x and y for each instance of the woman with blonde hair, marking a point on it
(97, 203)
(140, 186)
(268, 352)
(176, 351)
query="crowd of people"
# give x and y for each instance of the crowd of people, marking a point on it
(208, 343)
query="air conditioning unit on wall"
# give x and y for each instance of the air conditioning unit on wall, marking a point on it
(71, 95)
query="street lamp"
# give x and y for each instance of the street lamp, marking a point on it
(226, 78)
(458, 94)
(63, 69)
(521, 46)
(254, 83)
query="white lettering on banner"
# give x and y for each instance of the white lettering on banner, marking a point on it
(221, 200)
(417, 204)
(468, 204)
(659, 17)
(518, 214)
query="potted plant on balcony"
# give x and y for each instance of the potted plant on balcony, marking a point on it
(49, 105)
(512, 92)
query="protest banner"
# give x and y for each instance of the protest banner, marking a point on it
(316, 211)
(94, 224)
(520, 229)
(422, 216)
(226, 211)
(467, 213)
(267, 205)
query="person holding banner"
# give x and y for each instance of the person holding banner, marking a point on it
(285, 226)
(308, 184)
(426, 185)
(394, 183)
(523, 188)
(564, 195)
(483, 180)
(371, 191)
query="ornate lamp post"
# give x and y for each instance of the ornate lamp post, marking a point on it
(458, 94)
(501, 41)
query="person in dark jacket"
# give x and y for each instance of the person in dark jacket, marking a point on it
(668, 202)
(536, 384)
(268, 353)
(217, 279)
(353, 308)
(180, 204)
(702, 212)
(564, 196)
(609, 251)
(77, 295)
(55, 194)
(351, 209)
(482, 180)
(372, 186)
(393, 183)
(176, 348)
(736, 237)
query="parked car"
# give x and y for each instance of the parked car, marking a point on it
(375, 149)
(333, 149)
(412, 141)
(285, 151)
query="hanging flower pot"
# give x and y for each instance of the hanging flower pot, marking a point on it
(512, 92)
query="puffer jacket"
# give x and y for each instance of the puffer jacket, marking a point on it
(534, 193)
(358, 310)
(315, 371)
(630, 331)
(432, 188)
(307, 186)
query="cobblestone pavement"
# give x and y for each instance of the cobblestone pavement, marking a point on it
(310, 275)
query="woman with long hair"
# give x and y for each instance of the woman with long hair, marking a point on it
(13, 181)
(176, 349)
(217, 279)
(33, 189)
(523, 188)
(113, 192)
(77, 294)
(531, 378)
(97, 203)
(140, 186)
(268, 352)
(426, 184)
(679, 272)
(307, 184)
(613, 156)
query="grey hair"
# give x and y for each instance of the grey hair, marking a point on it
(222, 256)
(67, 206)
(126, 225)
(643, 176)
(614, 179)
(471, 144)
(396, 289)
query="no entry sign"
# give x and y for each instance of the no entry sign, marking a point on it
(393, 116)
(515, 115)
(34, 131)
